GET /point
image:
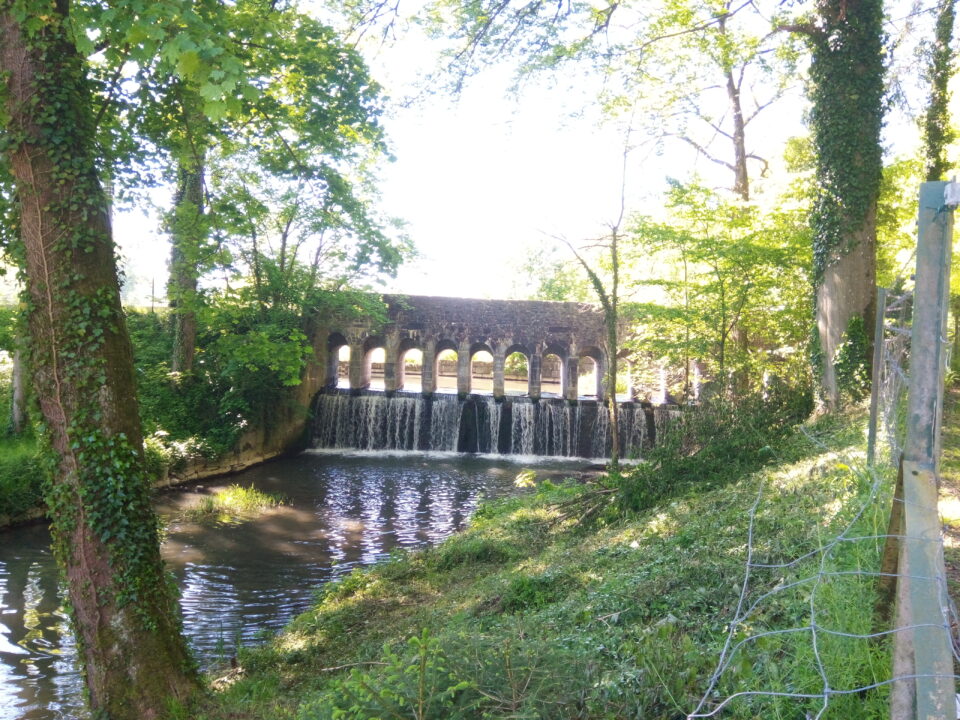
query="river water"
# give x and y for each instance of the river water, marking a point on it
(241, 580)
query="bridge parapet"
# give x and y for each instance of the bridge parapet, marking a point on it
(568, 330)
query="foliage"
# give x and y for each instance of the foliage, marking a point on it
(938, 132)
(850, 361)
(420, 688)
(722, 269)
(232, 504)
(705, 446)
(897, 219)
(251, 353)
(21, 476)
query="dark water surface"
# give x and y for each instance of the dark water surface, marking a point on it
(239, 580)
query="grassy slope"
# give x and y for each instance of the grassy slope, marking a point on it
(528, 616)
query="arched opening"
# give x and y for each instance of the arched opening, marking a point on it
(446, 369)
(343, 366)
(337, 371)
(374, 357)
(481, 369)
(551, 374)
(516, 371)
(588, 376)
(410, 369)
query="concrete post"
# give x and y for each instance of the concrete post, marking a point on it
(922, 659)
(359, 367)
(428, 370)
(533, 374)
(570, 378)
(463, 368)
(499, 369)
(391, 351)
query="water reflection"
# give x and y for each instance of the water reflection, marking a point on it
(238, 580)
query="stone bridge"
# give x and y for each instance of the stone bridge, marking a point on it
(536, 329)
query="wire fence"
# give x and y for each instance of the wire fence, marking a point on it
(859, 556)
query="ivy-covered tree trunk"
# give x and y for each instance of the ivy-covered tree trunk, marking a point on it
(847, 90)
(188, 231)
(104, 530)
(937, 130)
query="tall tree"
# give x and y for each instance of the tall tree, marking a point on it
(847, 91)
(104, 530)
(695, 71)
(937, 130)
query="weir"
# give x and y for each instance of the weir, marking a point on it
(375, 420)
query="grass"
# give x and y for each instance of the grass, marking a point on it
(529, 614)
(21, 476)
(232, 504)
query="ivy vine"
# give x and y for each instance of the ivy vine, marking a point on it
(847, 93)
(80, 350)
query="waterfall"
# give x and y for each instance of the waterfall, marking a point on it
(493, 423)
(444, 423)
(513, 425)
(522, 429)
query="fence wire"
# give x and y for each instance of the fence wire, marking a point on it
(846, 562)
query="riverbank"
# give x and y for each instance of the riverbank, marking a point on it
(21, 497)
(530, 613)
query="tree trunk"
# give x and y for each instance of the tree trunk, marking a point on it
(847, 90)
(937, 130)
(104, 530)
(18, 403)
(611, 314)
(741, 180)
(188, 230)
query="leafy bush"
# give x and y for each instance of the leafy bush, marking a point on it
(418, 686)
(712, 444)
(851, 360)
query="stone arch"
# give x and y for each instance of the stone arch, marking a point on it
(374, 377)
(595, 355)
(335, 341)
(445, 370)
(554, 369)
(406, 345)
(526, 352)
(479, 370)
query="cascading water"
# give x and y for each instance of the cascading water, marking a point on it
(477, 423)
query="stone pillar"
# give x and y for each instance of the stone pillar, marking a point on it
(463, 368)
(331, 373)
(533, 374)
(499, 364)
(601, 371)
(392, 379)
(428, 370)
(571, 377)
(359, 367)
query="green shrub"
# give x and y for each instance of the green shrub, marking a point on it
(470, 549)
(710, 445)
(415, 686)
(21, 476)
(532, 592)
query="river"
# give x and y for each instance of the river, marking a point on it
(241, 580)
